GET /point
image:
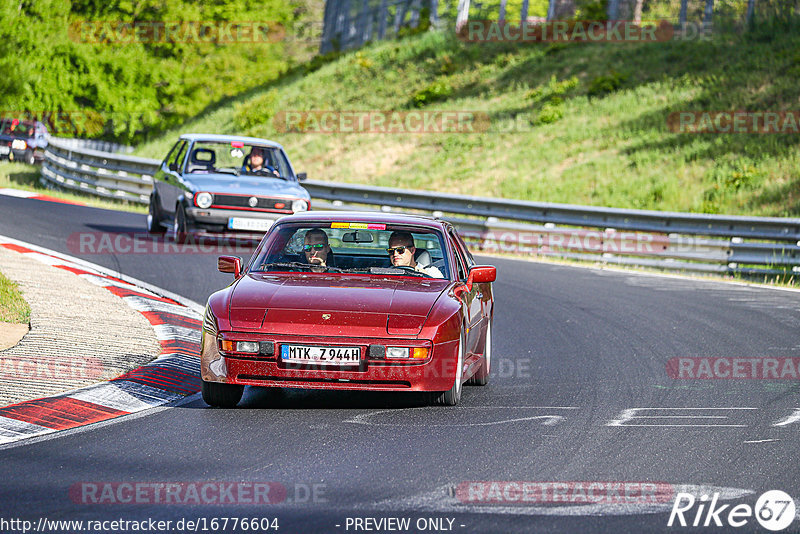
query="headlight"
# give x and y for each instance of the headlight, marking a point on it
(203, 200)
(19, 144)
(299, 205)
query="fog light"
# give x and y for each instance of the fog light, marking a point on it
(397, 352)
(247, 346)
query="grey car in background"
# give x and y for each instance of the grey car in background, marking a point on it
(210, 184)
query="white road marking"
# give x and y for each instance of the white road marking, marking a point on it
(630, 414)
(549, 420)
(795, 417)
(443, 500)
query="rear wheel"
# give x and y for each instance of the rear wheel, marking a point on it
(453, 395)
(153, 219)
(179, 225)
(481, 377)
(222, 395)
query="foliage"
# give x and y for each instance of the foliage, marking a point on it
(67, 61)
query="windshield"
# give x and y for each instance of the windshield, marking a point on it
(238, 158)
(369, 248)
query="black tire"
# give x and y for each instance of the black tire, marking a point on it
(481, 376)
(153, 219)
(222, 395)
(452, 396)
(179, 228)
(29, 158)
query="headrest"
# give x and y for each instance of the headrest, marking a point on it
(423, 257)
(203, 156)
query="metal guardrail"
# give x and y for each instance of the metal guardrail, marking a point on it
(670, 240)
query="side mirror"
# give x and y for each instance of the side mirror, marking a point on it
(302, 177)
(230, 264)
(480, 274)
(173, 167)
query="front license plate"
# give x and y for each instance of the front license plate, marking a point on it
(4, 150)
(320, 355)
(244, 223)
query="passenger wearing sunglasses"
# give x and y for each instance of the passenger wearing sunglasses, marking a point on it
(316, 248)
(401, 253)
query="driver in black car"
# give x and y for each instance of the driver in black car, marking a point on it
(254, 163)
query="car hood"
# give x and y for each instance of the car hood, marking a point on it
(332, 305)
(246, 185)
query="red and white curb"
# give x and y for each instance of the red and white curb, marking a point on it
(19, 193)
(175, 374)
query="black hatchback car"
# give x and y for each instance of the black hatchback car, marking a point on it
(220, 184)
(22, 140)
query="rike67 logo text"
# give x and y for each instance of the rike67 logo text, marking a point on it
(774, 510)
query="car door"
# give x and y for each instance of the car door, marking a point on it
(470, 301)
(167, 180)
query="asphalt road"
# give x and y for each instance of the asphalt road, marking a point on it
(580, 393)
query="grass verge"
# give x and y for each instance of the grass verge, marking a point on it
(26, 177)
(13, 308)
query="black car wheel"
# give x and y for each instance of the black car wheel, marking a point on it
(29, 158)
(153, 219)
(179, 227)
(222, 395)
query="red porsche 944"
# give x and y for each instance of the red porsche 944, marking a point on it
(351, 301)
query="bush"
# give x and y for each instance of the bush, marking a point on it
(256, 111)
(435, 92)
(604, 85)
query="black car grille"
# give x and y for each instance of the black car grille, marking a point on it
(243, 201)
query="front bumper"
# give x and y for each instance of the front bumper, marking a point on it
(220, 217)
(436, 373)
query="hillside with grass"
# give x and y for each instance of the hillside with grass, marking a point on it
(79, 65)
(580, 123)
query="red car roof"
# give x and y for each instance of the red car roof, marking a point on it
(365, 216)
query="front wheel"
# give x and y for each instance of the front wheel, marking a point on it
(179, 225)
(29, 157)
(453, 395)
(222, 395)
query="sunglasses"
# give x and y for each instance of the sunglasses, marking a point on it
(317, 247)
(399, 250)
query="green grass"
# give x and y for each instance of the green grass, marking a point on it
(13, 308)
(589, 120)
(26, 177)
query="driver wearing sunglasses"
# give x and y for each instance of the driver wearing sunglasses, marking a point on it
(316, 248)
(401, 252)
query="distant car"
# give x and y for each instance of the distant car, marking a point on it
(353, 319)
(210, 184)
(22, 140)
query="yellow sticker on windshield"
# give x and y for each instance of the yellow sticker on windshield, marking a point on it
(359, 226)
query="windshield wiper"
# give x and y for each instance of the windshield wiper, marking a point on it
(228, 171)
(404, 271)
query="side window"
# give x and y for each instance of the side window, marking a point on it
(465, 250)
(460, 270)
(175, 156)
